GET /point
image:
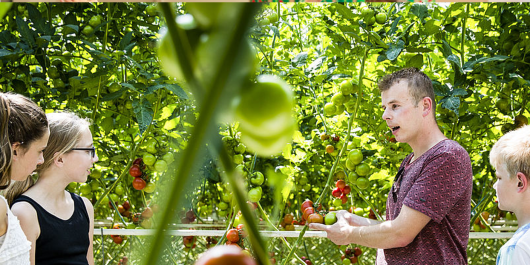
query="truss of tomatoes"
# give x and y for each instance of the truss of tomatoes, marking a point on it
(136, 171)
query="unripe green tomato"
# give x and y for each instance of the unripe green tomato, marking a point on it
(303, 180)
(226, 197)
(223, 205)
(160, 166)
(362, 183)
(380, 18)
(337, 202)
(168, 157)
(356, 156)
(95, 21)
(151, 10)
(119, 190)
(358, 211)
(114, 87)
(105, 201)
(273, 18)
(254, 195)
(85, 189)
(257, 179)
(95, 173)
(151, 148)
(150, 187)
(338, 99)
(330, 109)
(128, 104)
(114, 197)
(240, 148)
(206, 15)
(87, 30)
(149, 159)
(346, 261)
(238, 159)
(94, 185)
(330, 218)
(362, 169)
(352, 177)
(264, 22)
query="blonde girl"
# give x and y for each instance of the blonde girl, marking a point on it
(58, 223)
(23, 137)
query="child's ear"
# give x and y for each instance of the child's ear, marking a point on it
(522, 182)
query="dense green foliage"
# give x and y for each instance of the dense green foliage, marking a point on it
(100, 60)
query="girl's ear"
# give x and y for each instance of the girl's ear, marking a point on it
(522, 182)
(16, 149)
(58, 159)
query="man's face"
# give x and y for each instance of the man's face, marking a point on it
(400, 114)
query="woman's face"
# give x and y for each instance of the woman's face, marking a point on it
(26, 161)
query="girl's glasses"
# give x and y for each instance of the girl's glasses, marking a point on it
(91, 149)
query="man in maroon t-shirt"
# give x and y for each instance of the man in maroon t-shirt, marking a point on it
(428, 206)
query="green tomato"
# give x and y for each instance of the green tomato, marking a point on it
(168, 157)
(95, 173)
(363, 183)
(356, 156)
(338, 99)
(330, 218)
(53, 72)
(240, 148)
(254, 195)
(362, 169)
(206, 15)
(87, 30)
(238, 159)
(358, 211)
(85, 189)
(95, 21)
(380, 18)
(114, 197)
(114, 87)
(223, 205)
(105, 201)
(160, 166)
(264, 22)
(337, 202)
(149, 159)
(265, 109)
(330, 109)
(352, 177)
(303, 180)
(273, 18)
(119, 190)
(226, 197)
(346, 261)
(94, 185)
(150, 187)
(257, 179)
(152, 148)
(151, 10)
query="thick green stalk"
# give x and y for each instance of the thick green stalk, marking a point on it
(204, 128)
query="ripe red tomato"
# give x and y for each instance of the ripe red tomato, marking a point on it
(336, 193)
(357, 251)
(306, 204)
(126, 205)
(346, 190)
(340, 184)
(344, 198)
(117, 239)
(315, 218)
(135, 171)
(288, 219)
(232, 235)
(139, 183)
(225, 255)
(308, 211)
(147, 213)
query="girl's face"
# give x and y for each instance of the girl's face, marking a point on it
(81, 161)
(26, 161)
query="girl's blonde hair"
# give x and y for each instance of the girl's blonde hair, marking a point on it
(513, 152)
(22, 121)
(65, 133)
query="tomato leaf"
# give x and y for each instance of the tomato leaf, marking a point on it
(394, 50)
(143, 109)
(300, 59)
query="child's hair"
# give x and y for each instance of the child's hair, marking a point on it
(65, 133)
(513, 151)
(22, 121)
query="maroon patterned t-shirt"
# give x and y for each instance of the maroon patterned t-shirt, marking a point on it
(438, 184)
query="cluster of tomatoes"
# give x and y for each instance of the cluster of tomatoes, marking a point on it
(340, 193)
(136, 171)
(117, 238)
(331, 142)
(288, 222)
(123, 261)
(189, 217)
(235, 236)
(351, 256)
(310, 214)
(210, 241)
(306, 260)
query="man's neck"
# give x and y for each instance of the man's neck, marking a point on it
(426, 141)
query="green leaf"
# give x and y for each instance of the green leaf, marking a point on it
(420, 10)
(451, 103)
(25, 32)
(430, 28)
(459, 92)
(5, 52)
(446, 49)
(316, 64)
(416, 61)
(344, 11)
(470, 64)
(300, 59)
(143, 110)
(126, 40)
(177, 90)
(418, 49)
(394, 50)
(393, 28)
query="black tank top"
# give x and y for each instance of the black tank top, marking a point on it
(61, 241)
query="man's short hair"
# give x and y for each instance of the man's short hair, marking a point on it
(420, 85)
(513, 151)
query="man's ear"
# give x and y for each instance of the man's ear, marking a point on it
(522, 182)
(427, 106)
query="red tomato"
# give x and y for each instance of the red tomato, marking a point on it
(225, 255)
(232, 235)
(306, 204)
(135, 171)
(139, 183)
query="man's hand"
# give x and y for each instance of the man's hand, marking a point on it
(339, 232)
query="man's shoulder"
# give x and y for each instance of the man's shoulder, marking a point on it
(450, 148)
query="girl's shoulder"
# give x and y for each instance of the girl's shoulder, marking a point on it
(3, 215)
